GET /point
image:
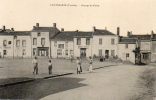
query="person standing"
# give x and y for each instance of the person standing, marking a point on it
(91, 65)
(80, 60)
(50, 67)
(78, 65)
(35, 63)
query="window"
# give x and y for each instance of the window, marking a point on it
(18, 43)
(42, 41)
(71, 52)
(38, 34)
(4, 52)
(100, 41)
(78, 41)
(87, 41)
(66, 52)
(126, 45)
(34, 41)
(34, 51)
(61, 46)
(55, 44)
(112, 41)
(23, 52)
(5, 43)
(59, 51)
(127, 55)
(23, 43)
(112, 53)
(145, 56)
(100, 52)
(9, 42)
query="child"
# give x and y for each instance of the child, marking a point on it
(78, 66)
(50, 67)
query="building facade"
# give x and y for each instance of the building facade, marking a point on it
(50, 42)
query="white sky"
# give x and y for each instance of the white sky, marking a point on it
(138, 16)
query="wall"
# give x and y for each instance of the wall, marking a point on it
(106, 44)
(83, 45)
(68, 45)
(122, 52)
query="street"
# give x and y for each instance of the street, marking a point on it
(118, 82)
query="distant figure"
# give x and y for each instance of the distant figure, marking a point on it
(78, 65)
(71, 58)
(35, 63)
(50, 67)
(91, 65)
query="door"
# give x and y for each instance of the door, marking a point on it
(106, 54)
(82, 52)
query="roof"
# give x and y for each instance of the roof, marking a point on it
(127, 40)
(83, 34)
(102, 32)
(141, 36)
(19, 33)
(52, 30)
(69, 35)
(66, 35)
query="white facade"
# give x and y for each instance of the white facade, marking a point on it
(107, 47)
(6, 46)
(22, 46)
(61, 49)
(125, 52)
(82, 48)
(40, 44)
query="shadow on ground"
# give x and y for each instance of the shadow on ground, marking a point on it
(40, 88)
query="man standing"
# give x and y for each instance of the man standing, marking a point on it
(90, 64)
(35, 63)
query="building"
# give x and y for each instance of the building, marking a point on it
(126, 46)
(15, 43)
(104, 43)
(41, 40)
(63, 45)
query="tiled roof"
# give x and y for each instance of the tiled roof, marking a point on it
(19, 33)
(69, 35)
(127, 40)
(83, 34)
(66, 35)
(141, 36)
(52, 31)
(102, 32)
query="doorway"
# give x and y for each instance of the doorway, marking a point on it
(82, 52)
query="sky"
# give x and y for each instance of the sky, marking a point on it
(138, 16)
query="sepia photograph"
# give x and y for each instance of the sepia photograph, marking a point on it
(78, 50)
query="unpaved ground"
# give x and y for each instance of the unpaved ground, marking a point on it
(110, 83)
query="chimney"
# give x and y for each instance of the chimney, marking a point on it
(118, 31)
(94, 28)
(37, 25)
(128, 33)
(54, 25)
(12, 29)
(105, 28)
(77, 30)
(3, 28)
(152, 34)
(62, 29)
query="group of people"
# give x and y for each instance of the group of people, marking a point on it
(79, 65)
(35, 63)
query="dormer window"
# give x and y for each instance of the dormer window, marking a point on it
(38, 34)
